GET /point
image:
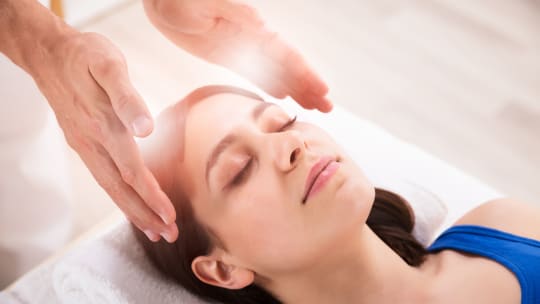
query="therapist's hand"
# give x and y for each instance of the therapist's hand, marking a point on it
(84, 77)
(233, 35)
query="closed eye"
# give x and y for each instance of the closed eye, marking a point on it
(288, 124)
(239, 178)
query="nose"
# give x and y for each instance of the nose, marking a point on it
(289, 147)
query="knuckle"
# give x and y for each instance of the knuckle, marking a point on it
(95, 126)
(103, 183)
(110, 60)
(78, 142)
(129, 175)
(123, 101)
(105, 65)
(113, 188)
(73, 142)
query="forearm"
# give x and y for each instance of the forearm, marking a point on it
(28, 32)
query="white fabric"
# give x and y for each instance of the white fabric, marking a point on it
(6, 298)
(112, 267)
(35, 194)
(115, 260)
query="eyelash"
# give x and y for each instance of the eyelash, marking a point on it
(239, 178)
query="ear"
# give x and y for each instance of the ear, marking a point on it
(213, 271)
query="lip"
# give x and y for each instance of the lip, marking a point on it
(314, 173)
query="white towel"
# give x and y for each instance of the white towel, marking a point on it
(75, 282)
(429, 210)
(6, 298)
(113, 269)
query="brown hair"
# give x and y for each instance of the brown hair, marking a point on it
(390, 218)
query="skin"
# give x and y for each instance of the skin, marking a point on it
(85, 79)
(323, 251)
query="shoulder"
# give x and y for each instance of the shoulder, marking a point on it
(506, 214)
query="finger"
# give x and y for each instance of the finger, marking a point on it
(320, 103)
(125, 154)
(306, 99)
(106, 174)
(240, 13)
(293, 73)
(273, 82)
(310, 100)
(299, 76)
(112, 76)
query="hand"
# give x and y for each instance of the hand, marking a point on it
(84, 77)
(232, 34)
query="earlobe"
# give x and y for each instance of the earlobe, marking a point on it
(212, 271)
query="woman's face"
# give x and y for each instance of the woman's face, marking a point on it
(251, 192)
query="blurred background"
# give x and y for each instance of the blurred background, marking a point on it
(460, 79)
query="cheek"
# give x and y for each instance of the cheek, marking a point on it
(264, 229)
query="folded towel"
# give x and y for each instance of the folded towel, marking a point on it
(6, 298)
(429, 210)
(114, 269)
(78, 283)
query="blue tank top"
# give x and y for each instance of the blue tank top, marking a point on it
(519, 254)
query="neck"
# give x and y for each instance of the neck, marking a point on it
(368, 271)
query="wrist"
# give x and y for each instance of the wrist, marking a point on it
(44, 41)
(45, 46)
(29, 33)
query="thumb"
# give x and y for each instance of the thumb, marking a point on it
(126, 102)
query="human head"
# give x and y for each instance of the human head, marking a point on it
(259, 229)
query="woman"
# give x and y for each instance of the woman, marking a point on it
(271, 210)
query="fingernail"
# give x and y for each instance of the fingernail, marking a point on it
(141, 125)
(154, 237)
(167, 236)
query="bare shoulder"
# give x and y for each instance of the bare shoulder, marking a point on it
(508, 215)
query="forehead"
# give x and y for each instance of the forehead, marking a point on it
(224, 109)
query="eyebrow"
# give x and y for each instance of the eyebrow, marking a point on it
(230, 138)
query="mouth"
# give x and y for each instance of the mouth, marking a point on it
(314, 174)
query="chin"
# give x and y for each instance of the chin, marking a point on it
(355, 200)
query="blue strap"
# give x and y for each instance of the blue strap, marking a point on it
(519, 254)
